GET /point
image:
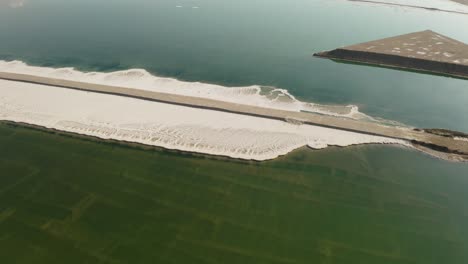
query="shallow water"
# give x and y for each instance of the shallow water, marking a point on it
(72, 200)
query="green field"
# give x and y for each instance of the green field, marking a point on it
(72, 200)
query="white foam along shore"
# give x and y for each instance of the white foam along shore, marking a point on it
(256, 95)
(163, 125)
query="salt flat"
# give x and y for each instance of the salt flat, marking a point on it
(165, 125)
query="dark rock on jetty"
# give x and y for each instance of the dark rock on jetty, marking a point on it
(444, 132)
(424, 51)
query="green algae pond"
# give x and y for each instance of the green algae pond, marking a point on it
(65, 199)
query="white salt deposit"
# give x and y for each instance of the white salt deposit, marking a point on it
(269, 97)
(461, 138)
(165, 125)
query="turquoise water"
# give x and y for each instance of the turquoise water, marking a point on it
(242, 43)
